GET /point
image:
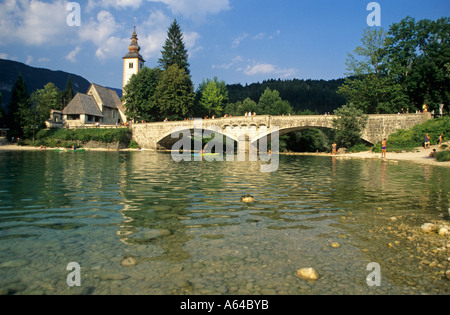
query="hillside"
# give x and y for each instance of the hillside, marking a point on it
(35, 78)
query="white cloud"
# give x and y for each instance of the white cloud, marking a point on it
(237, 41)
(123, 4)
(73, 54)
(196, 9)
(227, 66)
(151, 42)
(268, 69)
(153, 33)
(190, 41)
(98, 31)
(260, 36)
(102, 32)
(33, 22)
(29, 60)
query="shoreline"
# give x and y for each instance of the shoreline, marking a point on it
(419, 156)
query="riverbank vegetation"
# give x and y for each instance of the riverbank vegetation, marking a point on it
(443, 156)
(407, 140)
(67, 138)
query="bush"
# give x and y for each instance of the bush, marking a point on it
(67, 138)
(134, 145)
(359, 148)
(443, 156)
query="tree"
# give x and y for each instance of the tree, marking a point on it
(139, 95)
(174, 51)
(350, 123)
(42, 102)
(369, 85)
(419, 54)
(211, 97)
(17, 107)
(2, 114)
(66, 96)
(271, 103)
(174, 95)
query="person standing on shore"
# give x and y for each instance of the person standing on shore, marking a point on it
(333, 152)
(426, 141)
(441, 139)
(383, 149)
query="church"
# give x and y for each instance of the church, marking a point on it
(100, 105)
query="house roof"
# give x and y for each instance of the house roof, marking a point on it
(108, 97)
(83, 104)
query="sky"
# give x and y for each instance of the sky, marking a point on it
(238, 41)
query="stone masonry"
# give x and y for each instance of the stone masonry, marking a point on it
(159, 135)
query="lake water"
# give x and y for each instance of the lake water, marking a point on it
(185, 230)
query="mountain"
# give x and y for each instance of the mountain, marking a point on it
(35, 78)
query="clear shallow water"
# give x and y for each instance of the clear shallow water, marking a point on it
(189, 233)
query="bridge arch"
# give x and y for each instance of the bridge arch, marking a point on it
(166, 141)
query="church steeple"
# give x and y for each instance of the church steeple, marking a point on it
(133, 61)
(134, 46)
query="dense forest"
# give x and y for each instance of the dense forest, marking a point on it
(318, 96)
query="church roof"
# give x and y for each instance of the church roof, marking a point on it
(108, 97)
(83, 104)
(133, 55)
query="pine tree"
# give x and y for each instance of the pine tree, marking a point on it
(17, 107)
(69, 90)
(67, 95)
(174, 51)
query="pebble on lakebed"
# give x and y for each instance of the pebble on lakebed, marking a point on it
(129, 261)
(247, 199)
(442, 230)
(308, 274)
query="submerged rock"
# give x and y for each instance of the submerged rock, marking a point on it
(444, 231)
(429, 228)
(113, 277)
(308, 274)
(129, 261)
(247, 199)
(14, 263)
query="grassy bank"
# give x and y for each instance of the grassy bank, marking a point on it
(443, 156)
(68, 137)
(408, 140)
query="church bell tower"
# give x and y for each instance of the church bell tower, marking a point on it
(133, 61)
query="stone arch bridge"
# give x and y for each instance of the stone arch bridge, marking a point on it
(159, 135)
